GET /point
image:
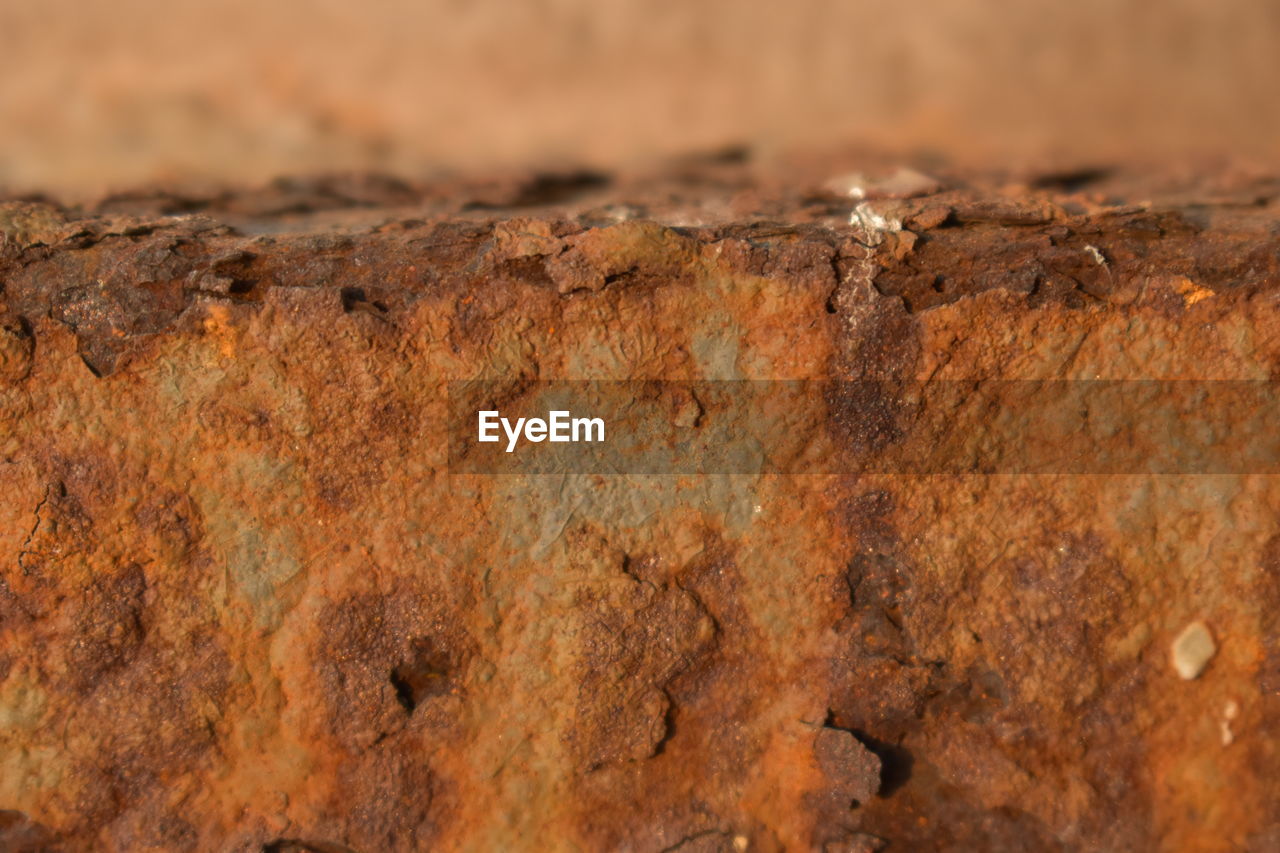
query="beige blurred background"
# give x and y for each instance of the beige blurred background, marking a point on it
(97, 95)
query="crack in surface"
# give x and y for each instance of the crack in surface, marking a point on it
(25, 549)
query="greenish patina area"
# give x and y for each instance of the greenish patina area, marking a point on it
(259, 559)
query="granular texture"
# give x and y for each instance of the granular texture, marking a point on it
(245, 605)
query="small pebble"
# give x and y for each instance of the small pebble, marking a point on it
(901, 183)
(1192, 650)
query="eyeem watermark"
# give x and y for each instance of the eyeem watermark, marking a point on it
(558, 427)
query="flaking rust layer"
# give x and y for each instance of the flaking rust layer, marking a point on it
(244, 605)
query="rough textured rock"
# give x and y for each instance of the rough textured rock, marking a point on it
(244, 604)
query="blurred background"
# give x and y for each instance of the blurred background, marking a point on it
(98, 95)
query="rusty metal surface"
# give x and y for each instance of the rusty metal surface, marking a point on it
(244, 604)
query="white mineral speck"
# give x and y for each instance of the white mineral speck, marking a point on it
(865, 216)
(1229, 713)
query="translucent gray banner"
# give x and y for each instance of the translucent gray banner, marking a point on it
(995, 426)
